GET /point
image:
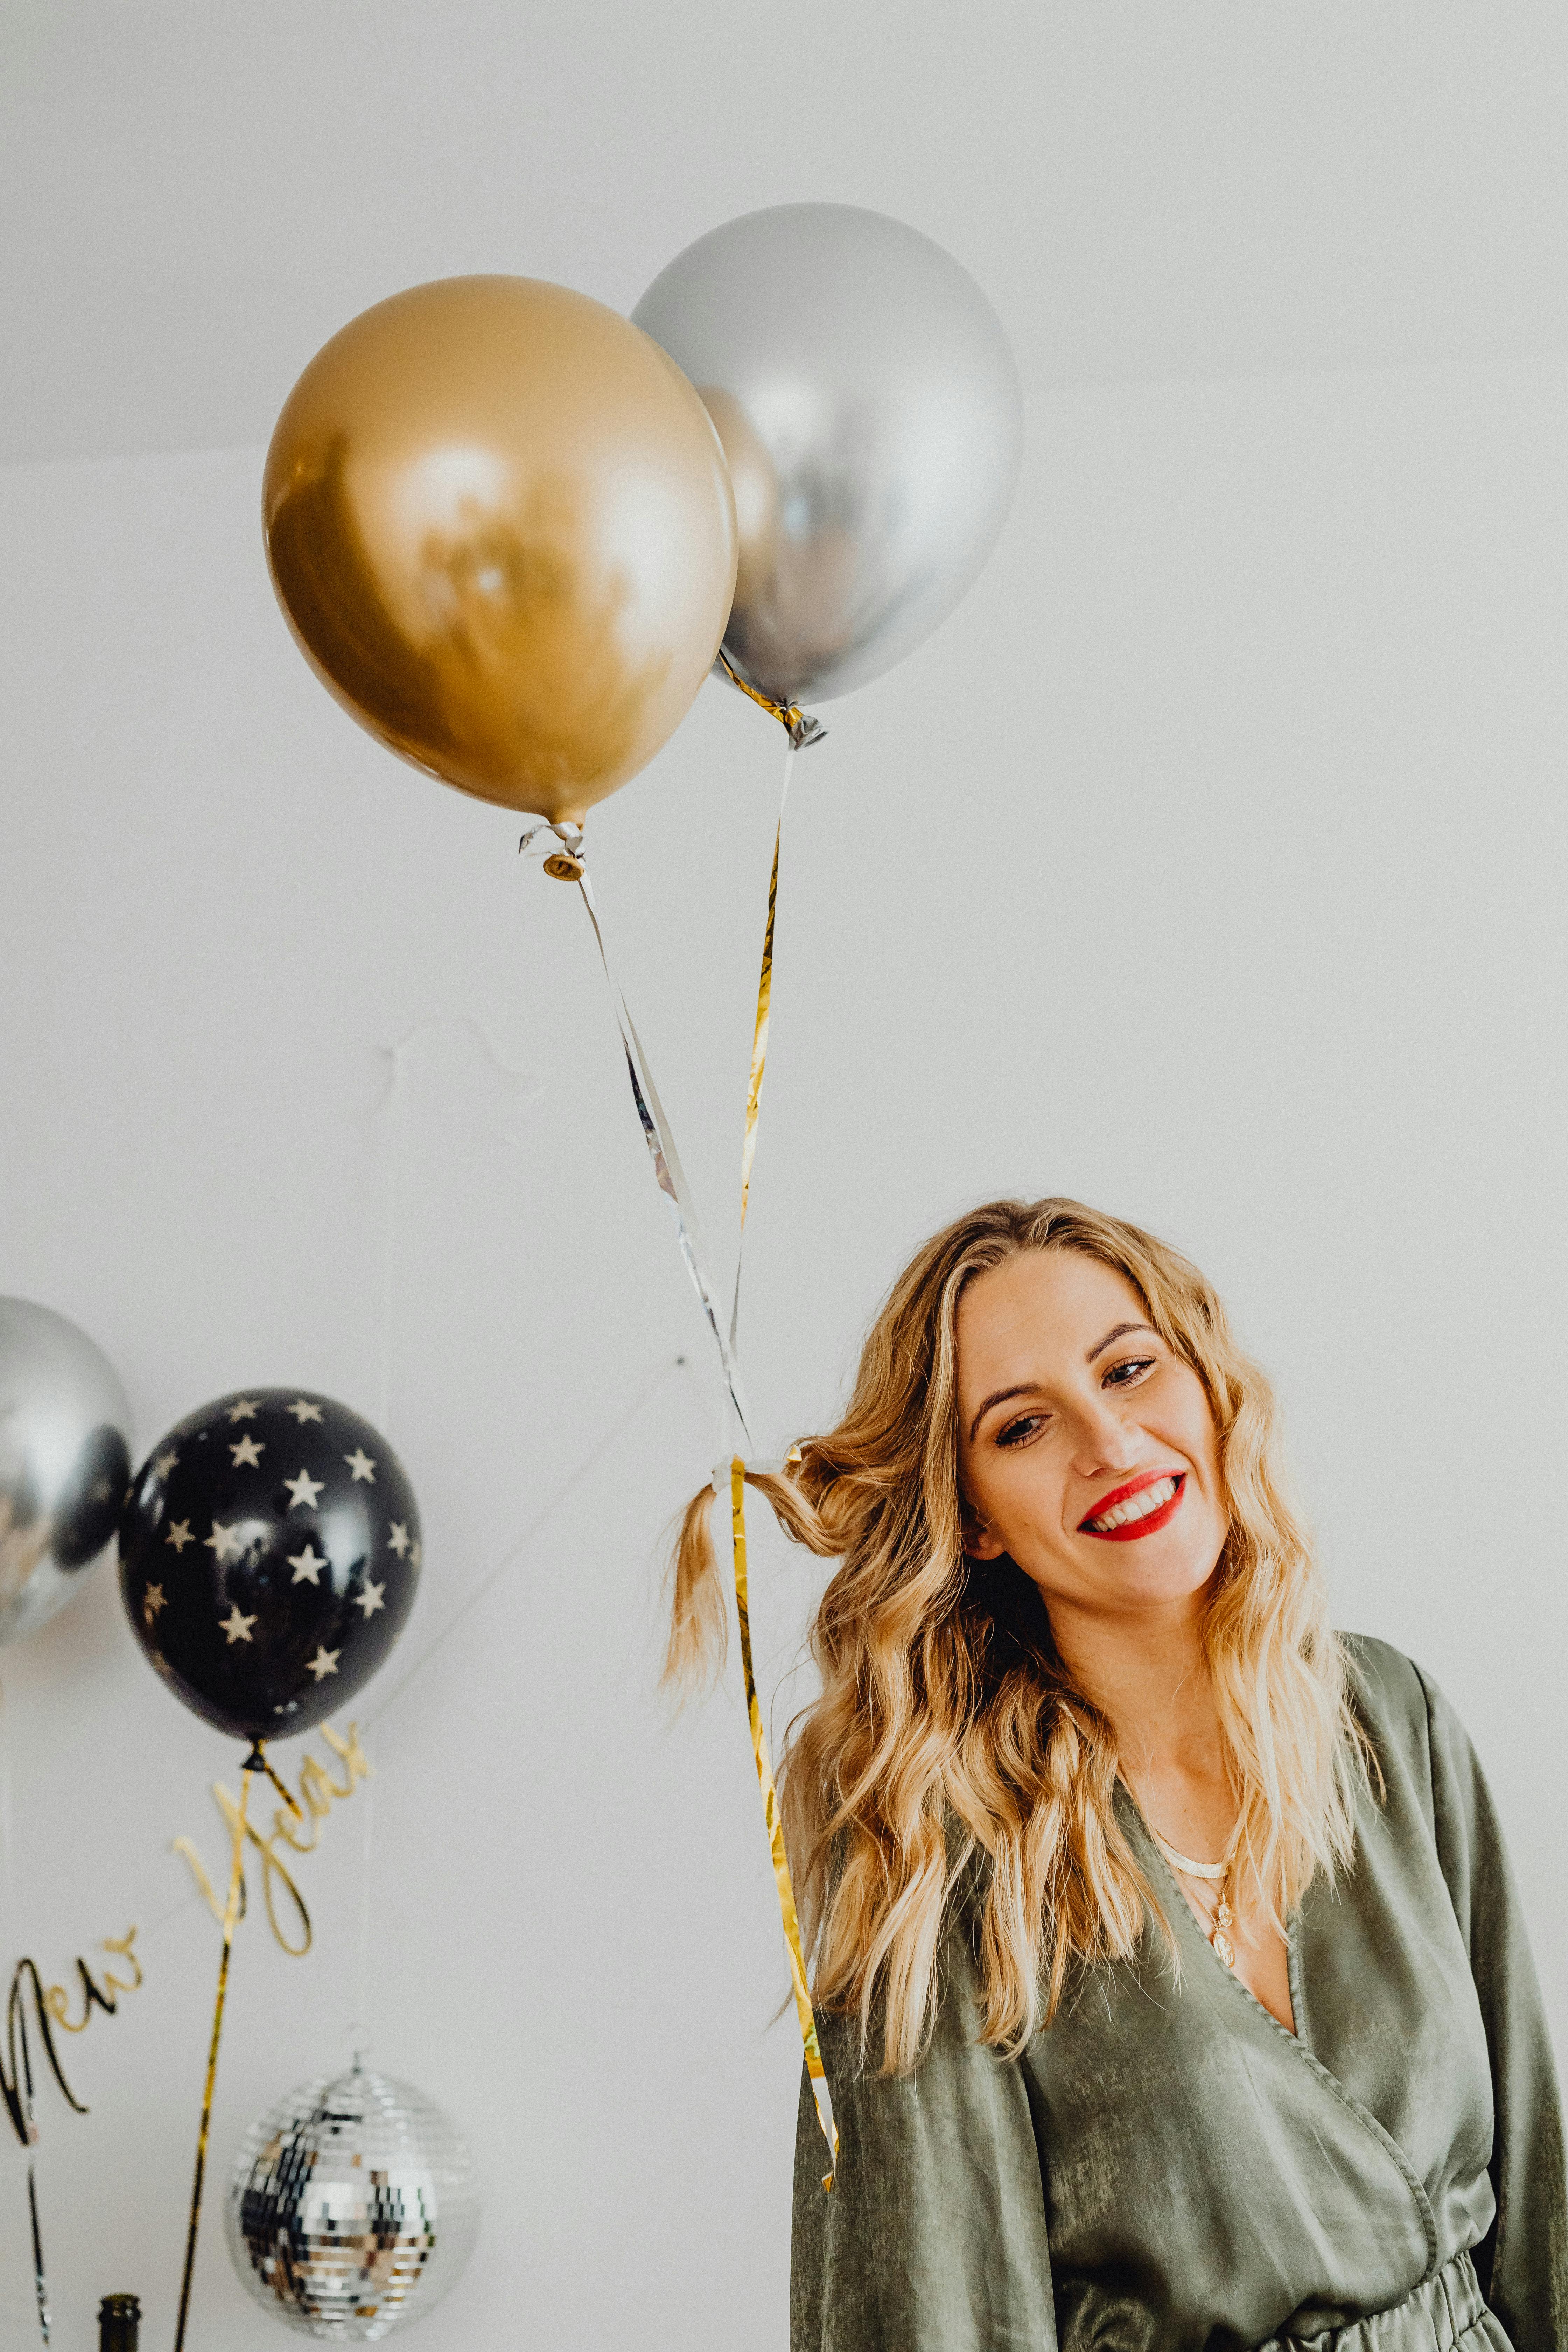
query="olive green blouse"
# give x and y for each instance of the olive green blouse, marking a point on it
(1166, 2168)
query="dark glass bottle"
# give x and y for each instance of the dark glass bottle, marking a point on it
(119, 2323)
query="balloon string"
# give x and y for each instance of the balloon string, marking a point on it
(40, 2283)
(803, 2011)
(255, 1762)
(667, 1171)
(671, 1181)
(396, 1139)
(759, 1048)
(22, 2092)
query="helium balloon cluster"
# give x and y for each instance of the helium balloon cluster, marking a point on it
(512, 529)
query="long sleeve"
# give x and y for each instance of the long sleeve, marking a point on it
(932, 2238)
(1523, 2266)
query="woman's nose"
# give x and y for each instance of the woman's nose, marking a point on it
(1106, 1439)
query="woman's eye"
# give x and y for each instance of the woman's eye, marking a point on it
(1127, 1374)
(1019, 1431)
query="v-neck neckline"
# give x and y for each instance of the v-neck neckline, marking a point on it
(1293, 2032)
(1294, 2038)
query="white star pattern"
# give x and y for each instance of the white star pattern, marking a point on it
(152, 1600)
(303, 1410)
(324, 1663)
(180, 1535)
(360, 1466)
(397, 1541)
(236, 1626)
(306, 1565)
(371, 1598)
(303, 1491)
(244, 1409)
(247, 1453)
(164, 1464)
(225, 1543)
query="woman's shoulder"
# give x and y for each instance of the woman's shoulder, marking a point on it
(1387, 1686)
(1400, 1708)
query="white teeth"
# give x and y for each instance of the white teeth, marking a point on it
(1141, 1505)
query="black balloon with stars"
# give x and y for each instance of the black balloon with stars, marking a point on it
(269, 1555)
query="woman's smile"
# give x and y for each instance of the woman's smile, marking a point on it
(1139, 1508)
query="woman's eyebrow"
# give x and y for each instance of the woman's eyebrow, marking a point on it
(999, 1396)
(1120, 1333)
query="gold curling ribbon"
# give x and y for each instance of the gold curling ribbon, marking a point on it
(760, 1034)
(758, 1046)
(759, 1054)
(803, 2008)
(255, 1762)
(800, 728)
(801, 732)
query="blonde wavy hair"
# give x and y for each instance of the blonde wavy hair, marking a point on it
(950, 1746)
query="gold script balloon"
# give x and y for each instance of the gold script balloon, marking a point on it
(501, 527)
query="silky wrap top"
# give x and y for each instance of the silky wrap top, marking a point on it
(1166, 2168)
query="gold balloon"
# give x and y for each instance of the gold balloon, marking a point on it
(500, 525)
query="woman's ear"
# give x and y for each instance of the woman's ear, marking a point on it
(981, 1540)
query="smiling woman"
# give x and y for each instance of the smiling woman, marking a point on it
(1174, 1988)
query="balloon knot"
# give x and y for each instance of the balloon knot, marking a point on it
(802, 731)
(565, 864)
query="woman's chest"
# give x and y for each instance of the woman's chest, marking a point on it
(1194, 2152)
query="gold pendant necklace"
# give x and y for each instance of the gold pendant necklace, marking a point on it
(1213, 1873)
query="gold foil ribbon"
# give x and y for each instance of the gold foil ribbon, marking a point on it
(803, 2008)
(800, 728)
(760, 1032)
(255, 1762)
(759, 1048)
(806, 2016)
(567, 863)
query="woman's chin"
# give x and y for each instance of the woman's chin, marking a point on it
(1156, 1575)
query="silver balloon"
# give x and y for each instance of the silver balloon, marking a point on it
(64, 1462)
(870, 411)
(352, 2208)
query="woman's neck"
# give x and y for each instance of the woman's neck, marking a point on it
(1149, 1675)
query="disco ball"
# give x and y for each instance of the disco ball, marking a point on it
(352, 2207)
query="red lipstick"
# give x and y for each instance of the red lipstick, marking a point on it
(1135, 1528)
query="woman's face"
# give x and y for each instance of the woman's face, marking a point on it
(1087, 1449)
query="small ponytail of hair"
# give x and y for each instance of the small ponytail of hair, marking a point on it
(698, 1620)
(699, 1612)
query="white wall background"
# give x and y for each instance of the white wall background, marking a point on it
(1209, 865)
